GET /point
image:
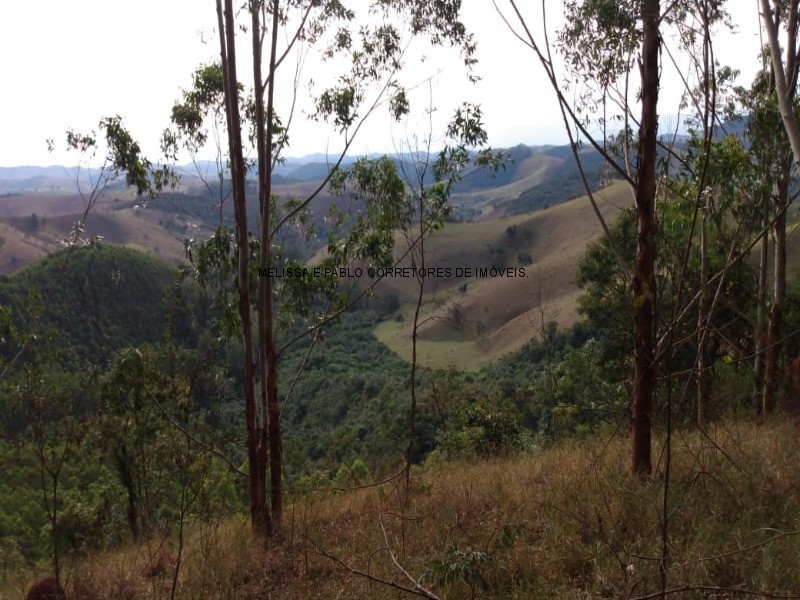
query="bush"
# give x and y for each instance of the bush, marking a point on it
(484, 426)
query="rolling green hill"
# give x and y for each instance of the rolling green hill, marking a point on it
(93, 300)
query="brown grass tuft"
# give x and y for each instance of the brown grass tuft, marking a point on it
(567, 522)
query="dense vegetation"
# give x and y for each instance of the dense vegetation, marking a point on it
(140, 412)
(160, 365)
(103, 402)
(96, 300)
(556, 523)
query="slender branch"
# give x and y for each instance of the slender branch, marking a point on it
(348, 142)
(715, 588)
(749, 548)
(336, 314)
(574, 147)
(289, 46)
(190, 436)
(299, 371)
(373, 578)
(365, 486)
(417, 585)
(554, 83)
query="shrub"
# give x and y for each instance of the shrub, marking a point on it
(484, 426)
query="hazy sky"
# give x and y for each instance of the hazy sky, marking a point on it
(66, 64)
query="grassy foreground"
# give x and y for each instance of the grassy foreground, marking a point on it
(566, 522)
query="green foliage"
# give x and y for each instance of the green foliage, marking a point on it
(352, 476)
(359, 472)
(156, 437)
(476, 420)
(53, 458)
(206, 96)
(599, 38)
(95, 299)
(465, 132)
(769, 143)
(78, 469)
(577, 393)
(459, 566)
(349, 401)
(605, 303)
(369, 230)
(124, 157)
(564, 383)
(90, 515)
(485, 177)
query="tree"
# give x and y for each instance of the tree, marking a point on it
(428, 184)
(123, 160)
(783, 78)
(375, 52)
(715, 180)
(601, 42)
(54, 429)
(644, 374)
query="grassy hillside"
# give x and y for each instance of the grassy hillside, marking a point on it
(471, 326)
(565, 522)
(534, 178)
(157, 232)
(36, 213)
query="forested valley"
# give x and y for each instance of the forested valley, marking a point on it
(454, 371)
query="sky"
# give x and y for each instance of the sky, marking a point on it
(65, 65)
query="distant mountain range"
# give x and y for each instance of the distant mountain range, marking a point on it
(313, 167)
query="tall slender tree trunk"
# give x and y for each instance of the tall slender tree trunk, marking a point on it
(644, 292)
(259, 510)
(273, 405)
(704, 304)
(785, 80)
(412, 418)
(778, 297)
(265, 132)
(761, 316)
(263, 190)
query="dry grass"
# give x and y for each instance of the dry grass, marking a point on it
(499, 314)
(528, 174)
(566, 522)
(134, 228)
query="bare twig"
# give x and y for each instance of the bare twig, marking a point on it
(417, 592)
(417, 586)
(715, 588)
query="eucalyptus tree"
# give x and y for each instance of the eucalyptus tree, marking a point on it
(770, 150)
(613, 57)
(602, 43)
(368, 44)
(123, 160)
(782, 78)
(704, 102)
